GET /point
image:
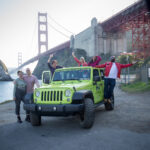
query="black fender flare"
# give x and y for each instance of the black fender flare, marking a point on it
(79, 96)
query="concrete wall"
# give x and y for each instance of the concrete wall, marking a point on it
(86, 40)
(115, 43)
(95, 41)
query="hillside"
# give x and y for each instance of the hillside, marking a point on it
(64, 59)
(4, 76)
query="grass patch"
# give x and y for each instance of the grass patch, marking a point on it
(136, 87)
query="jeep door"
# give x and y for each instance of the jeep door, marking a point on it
(98, 85)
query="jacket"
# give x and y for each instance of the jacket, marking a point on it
(79, 63)
(108, 66)
(53, 69)
(93, 64)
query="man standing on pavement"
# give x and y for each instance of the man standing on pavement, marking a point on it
(31, 80)
(112, 71)
(54, 65)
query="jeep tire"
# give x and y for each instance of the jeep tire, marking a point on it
(35, 119)
(87, 116)
(110, 106)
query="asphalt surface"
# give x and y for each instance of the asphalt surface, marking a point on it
(127, 127)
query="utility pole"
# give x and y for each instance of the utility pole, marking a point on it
(42, 32)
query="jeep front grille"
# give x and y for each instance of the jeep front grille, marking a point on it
(51, 95)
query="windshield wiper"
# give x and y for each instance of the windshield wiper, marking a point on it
(75, 79)
(59, 80)
(68, 80)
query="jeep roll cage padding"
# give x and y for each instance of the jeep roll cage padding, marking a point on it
(79, 96)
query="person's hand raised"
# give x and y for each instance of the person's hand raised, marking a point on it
(51, 55)
(73, 54)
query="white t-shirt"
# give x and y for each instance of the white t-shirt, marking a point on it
(113, 72)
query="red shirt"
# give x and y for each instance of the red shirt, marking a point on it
(108, 66)
(79, 63)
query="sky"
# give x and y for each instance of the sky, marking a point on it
(18, 23)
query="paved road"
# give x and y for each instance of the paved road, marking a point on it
(125, 128)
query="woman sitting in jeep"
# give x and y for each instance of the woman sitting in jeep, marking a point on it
(80, 62)
(94, 61)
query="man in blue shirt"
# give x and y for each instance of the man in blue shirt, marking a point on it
(54, 65)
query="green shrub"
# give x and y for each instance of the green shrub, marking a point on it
(136, 87)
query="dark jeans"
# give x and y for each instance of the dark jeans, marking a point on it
(109, 85)
(27, 99)
(19, 97)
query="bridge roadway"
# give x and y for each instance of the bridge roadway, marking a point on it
(51, 51)
(125, 17)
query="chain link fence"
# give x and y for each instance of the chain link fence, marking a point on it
(129, 75)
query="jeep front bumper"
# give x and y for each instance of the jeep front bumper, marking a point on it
(61, 110)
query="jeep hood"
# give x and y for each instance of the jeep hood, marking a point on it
(66, 85)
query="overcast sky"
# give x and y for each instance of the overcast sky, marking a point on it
(18, 22)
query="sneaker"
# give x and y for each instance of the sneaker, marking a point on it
(27, 118)
(19, 119)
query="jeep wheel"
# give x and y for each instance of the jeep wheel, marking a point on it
(108, 105)
(35, 119)
(87, 116)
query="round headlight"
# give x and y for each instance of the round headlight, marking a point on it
(68, 93)
(37, 93)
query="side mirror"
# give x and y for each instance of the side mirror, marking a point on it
(46, 77)
(96, 78)
(46, 81)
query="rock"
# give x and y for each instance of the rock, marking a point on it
(4, 76)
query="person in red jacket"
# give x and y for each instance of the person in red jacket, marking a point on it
(80, 62)
(95, 61)
(112, 72)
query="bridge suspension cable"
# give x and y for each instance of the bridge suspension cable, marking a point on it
(33, 38)
(58, 31)
(60, 25)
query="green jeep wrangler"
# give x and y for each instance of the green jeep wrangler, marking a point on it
(71, 91)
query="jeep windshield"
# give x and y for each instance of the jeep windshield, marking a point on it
(78, 74)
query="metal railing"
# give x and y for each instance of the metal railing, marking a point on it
(141, 74)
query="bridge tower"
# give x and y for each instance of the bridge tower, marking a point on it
(19, 59)
(42, 32)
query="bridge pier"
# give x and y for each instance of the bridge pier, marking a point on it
(19, 59)
(95, 41)
(42, 33)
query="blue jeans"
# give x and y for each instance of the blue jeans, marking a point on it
(109, 85)
(19, 97)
